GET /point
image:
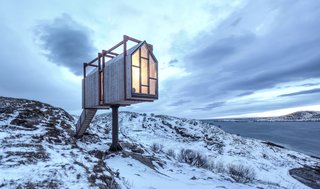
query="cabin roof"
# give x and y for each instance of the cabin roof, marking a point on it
(137, 46)
(129, 52)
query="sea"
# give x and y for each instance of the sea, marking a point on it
(298, 136)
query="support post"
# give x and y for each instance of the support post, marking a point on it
(115, 146)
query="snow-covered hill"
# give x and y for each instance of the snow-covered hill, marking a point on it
(296, 116)
(300, 116)
(38, 150)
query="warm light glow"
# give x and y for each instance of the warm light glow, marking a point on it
(144, 90)
(153, 86)
(136, 79)
(135, 58)
(144, 72)
(144, 51)
(152, 67)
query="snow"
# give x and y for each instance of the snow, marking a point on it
(272, 170)
(136, 175)
(47, 156)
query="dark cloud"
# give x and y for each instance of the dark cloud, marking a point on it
(173, 62)
(253, 50)
(236, 22)
(211, 106)
(218, 50)
(245, 94)
(66, 42)
(179, 102)
(302, 92)
(309, 85)
(29, 76)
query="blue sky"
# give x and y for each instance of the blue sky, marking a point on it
(216, 58)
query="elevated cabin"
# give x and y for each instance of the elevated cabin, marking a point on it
(126, 79)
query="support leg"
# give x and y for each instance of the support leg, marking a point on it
(115, 146)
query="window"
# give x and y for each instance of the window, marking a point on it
(135, 58)
(144, 72)
(135, 80)
(153, 85)
(144, 51)
(153, 68)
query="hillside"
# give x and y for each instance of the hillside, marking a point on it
(38, 150)
(296, 116)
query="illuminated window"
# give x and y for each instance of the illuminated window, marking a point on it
(144, 90)
(136, 80)
(144, 51)
(153, 86)
(144, 72)
(153, 67)
(135, 58)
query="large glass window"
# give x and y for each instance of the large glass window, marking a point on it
(153, 85)
(135, 80)
(144, 51)
(144, 72)
(153, 68)
(135, 58)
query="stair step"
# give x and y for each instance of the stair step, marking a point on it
(84, 121)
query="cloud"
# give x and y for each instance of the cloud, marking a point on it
(217, 51)
(251, 51)
(245, 94)
(66, 42)
(211, 106)
(29, 75)
(309, 84)
(302, 92)
(173, 62)
(179, 102)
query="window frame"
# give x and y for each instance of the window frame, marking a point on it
(149, 54)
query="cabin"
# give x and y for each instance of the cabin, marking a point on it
(126, 79)
(116, 79)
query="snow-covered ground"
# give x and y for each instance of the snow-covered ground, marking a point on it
(37, 149)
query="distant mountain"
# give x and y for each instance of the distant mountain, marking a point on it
(38, 150)
(296, 116)
(302, 116)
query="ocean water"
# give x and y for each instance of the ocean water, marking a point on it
(299, 136)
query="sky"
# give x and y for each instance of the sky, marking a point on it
(234, 58)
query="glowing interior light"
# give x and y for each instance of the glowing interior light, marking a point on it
(152, 67)
(144, 72)
(153, 86)
(144, 51)
(135, 59)
(136, 79)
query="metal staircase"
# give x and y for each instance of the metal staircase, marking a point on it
(84, 121)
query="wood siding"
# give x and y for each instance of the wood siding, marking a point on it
(114, 82)
(91, 90)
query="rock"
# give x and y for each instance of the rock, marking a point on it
(307, 175)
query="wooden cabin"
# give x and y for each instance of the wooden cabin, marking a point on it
(126, 79)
